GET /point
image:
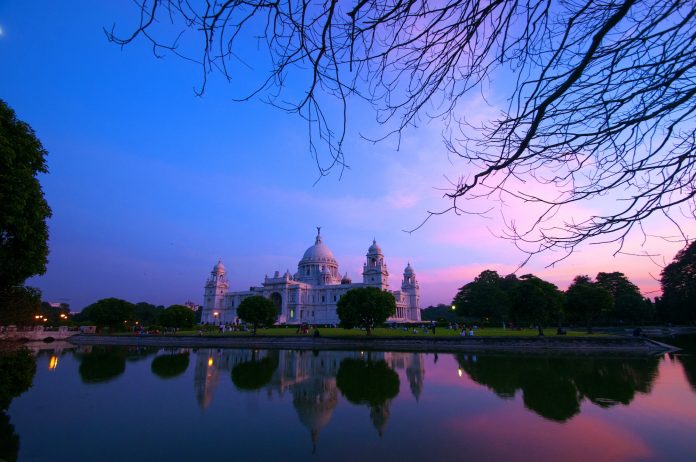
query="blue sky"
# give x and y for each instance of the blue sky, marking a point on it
(150, 184)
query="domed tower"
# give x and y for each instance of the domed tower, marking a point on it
(318, 265)
(375, 273)
(410, 287)
(214, 297)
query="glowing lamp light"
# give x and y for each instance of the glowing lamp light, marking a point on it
(454, 307)
(459, 371)
(210, 362)
(53, 363)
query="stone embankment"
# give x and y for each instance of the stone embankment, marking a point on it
(573, 345)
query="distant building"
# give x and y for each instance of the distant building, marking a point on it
(310, 295)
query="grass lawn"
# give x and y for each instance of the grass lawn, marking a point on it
(385, 332)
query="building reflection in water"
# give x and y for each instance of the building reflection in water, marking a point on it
(309, 376)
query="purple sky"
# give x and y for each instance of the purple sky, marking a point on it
(150, 185)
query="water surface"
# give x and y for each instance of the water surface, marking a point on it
(116, 404)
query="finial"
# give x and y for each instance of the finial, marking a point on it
(318, 240)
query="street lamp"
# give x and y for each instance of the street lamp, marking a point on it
(215, 315)
(454, 307)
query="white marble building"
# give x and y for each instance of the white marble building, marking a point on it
(310, 295)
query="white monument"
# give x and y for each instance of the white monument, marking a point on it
(310, 295)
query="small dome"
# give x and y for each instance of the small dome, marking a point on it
(219, 267)
(374, 248)
(409, 269)
(346, 279)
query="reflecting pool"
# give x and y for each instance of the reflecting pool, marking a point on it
(132, 404)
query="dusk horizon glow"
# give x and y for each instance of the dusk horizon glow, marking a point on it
(151, 185)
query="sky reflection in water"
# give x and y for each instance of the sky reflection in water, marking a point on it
(106, 403)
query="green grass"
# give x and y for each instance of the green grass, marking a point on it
(384, 332)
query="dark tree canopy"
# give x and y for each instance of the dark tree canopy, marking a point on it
(487, 297)
(536, 301)
(257, 311)
(629, 305)
(585, 301)
(679, 286)
(147, 313)
(111, 312)
(178, 316)
(23, 209)
(601, 101)
(365, 307)
(19, 305)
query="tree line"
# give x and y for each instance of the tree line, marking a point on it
(608, 298)
(118, 315)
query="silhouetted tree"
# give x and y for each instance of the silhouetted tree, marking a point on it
(365, 307)
(585, 301)
(178, 316)
(112, 312)
(537, 301)
(487, 297)
(19, 305)
(678, 282)
(23, 209)
(629, 305)
(601, 99)
(257, 311)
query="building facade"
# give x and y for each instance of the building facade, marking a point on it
(310, 295)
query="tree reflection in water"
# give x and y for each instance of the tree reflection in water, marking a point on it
(170, 365)
(554, 387)
(102, 364)
(17, 370)
(369, 382)
(255, 374)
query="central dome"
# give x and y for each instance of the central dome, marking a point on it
(318, 253)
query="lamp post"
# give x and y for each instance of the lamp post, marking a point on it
(215, 317)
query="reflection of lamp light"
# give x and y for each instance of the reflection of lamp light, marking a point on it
(459, 371)
(53, 363)
(210, 361)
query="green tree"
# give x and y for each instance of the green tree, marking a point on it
(146, 313)
(167, 366)
(537, 301)
(178, 316)
(678, 281)
(258, 311)
(365, 307)
(487, 297)
(629, 305)
(585, 300)
(19, 305)
(23, 208)
(112, 312)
